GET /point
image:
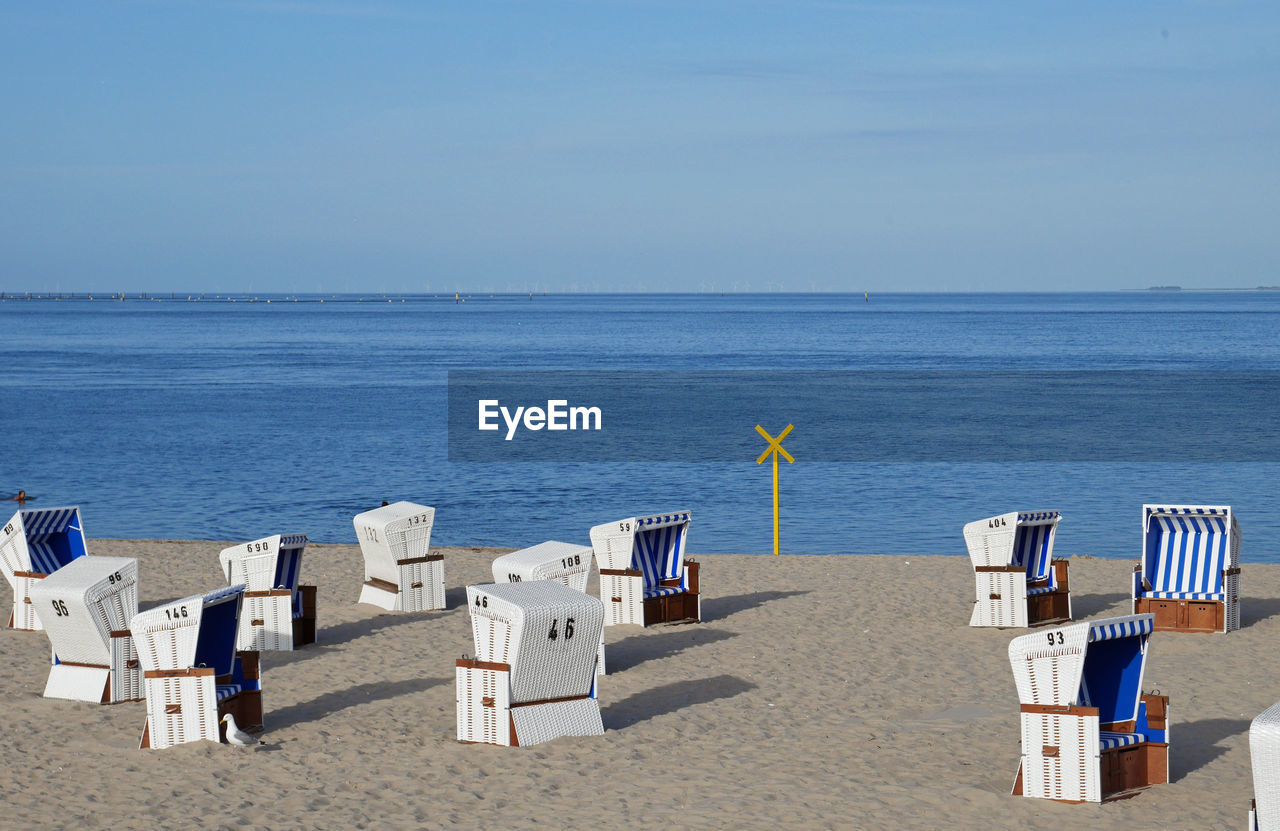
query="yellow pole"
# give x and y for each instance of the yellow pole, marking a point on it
(775, 503)
(775, 449)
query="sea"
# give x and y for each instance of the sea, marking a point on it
(232, 417)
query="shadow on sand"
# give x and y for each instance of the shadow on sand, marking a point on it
(331, 702)
(1257, 609)
(1087, 605)
(635, 650)
(1197, 743)
(329, 637)
(670, 698)
(716, 608)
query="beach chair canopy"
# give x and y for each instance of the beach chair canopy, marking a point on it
(82, 603)
(195, 631)
(1090, 664)
(41, 541)
(547, 633)
(393, 533)
(560, 561)
(657, 549)
(1020, 538)
(265, 564)
(1185, 550)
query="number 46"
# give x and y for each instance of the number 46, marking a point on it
(568, 629)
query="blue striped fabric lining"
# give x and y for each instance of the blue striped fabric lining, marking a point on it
(1186, 552)
(39, 526)
(659, 551)
(1033, 549)
(1124, 629)
(1185, 595)
(1041, 590)
(1108, 740)
(219, 594)
(43, 560)
(227, 690)
(659, 591)
(288, 563)
(288, 567)
(47, 521)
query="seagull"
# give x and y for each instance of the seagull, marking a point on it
(237, 736)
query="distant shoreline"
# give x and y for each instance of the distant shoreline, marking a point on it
(415, 297)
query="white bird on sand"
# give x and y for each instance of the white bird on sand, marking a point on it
(237, 736)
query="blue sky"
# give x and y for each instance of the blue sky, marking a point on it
(309, 145)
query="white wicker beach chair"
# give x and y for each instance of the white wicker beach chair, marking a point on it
(1088, 732)
(1189, 574)
(562, 562)
(191, 672)
(278, 613)
(400, 572)
(1018, 581)
(1264, 748)
(33, 545)
(86, 608)
(533, 676)
(644, 576)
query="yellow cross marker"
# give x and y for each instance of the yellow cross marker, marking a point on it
(775, 447)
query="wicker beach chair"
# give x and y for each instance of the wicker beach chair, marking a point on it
(533, 675)
(1189, 574)
(562, 562)
(400, 572)
(644, 576)
(1088, 732)
(86, 608)
(1264, 748)
(33, 545)
(1018, 581)
(278, 613)
(191, 672)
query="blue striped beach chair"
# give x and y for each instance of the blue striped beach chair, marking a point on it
(33, 545)
(87, 607)
(645, 576)
(533, 676)
(1088, 731)
(279, 614)
(1189, 574)
(192, 674)
(1264, 750)
(1018, 581)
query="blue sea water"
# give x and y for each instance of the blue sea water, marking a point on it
(227, 420)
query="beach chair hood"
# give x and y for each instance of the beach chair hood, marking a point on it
(1091, 664)
(1018, 538)
(653, 545)
(547, 633)
(41, 541)
(83, 603)
(562, 562)
(269, 563)
(195, 631)
(392, 533)
(1186, 549)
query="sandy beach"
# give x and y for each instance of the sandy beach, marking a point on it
(818, 692)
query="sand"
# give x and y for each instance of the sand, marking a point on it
(819, 692)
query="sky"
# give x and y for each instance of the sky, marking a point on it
(637, 145)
